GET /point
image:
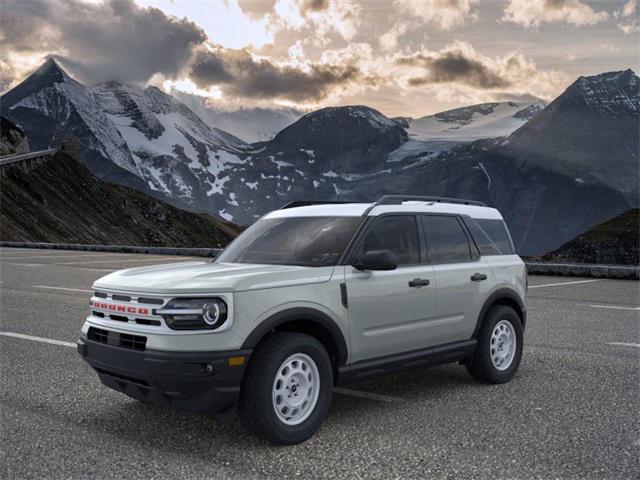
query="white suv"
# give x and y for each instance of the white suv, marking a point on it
(310, 296)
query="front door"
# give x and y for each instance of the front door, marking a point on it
(391, 311)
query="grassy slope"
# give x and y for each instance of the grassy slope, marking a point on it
(613, 242)
(61, 201)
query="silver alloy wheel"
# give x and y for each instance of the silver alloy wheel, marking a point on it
(296, 389)
(503, 345)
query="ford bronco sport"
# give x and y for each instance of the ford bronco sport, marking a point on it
(310, 296)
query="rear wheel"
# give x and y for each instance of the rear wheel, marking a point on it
(286, 390)
(499, 350)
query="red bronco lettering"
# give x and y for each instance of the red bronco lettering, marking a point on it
(119, 308)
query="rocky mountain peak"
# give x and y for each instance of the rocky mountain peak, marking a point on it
(50, 72)
(344, 125)
(609, 91)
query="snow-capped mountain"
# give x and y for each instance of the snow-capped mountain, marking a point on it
(572, 165)
(251, 124)
(142, 138)
(50, 103)
(467, 124)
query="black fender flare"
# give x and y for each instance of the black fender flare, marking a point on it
(500, 294)
(301, 314)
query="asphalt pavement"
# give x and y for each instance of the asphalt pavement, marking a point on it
(572, 411)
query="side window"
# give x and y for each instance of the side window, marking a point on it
(448, 242)
(398, 233)
(497, 231)
(484, 243)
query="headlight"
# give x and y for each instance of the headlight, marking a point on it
(194, 313)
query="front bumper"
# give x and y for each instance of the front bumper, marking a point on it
(201, 382)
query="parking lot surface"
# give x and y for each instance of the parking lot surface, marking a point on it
(572, 411)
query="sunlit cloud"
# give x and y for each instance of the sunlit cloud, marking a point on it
(321, 17)
(444, 14)
(628, 17)
(224, 22)
(532, 13)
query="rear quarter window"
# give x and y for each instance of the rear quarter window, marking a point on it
(491, 236)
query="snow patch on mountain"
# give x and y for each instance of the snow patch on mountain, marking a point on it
(468, 124)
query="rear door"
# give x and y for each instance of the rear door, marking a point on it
(391, 311)
(461, 277)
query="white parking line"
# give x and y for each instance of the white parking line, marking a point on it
(615, 307)
(367, 395)
(64, 289)
(622, 344)
(564, 283)
(38, 339)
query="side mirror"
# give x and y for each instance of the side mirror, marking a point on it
(377, 260)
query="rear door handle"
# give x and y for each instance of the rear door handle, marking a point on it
(419, 282)
(478, 277)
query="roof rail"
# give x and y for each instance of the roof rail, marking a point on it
(399, 199)
(307, 203)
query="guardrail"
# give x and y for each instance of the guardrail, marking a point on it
(584, 270)
(534, 268)
(24, 160)
(198, 252)
(9, 159)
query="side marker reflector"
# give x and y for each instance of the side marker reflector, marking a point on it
(236, 361)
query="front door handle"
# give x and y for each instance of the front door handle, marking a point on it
(418, 282)
(478, 277)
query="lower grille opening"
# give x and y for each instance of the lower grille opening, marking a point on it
(126, 378)
(98, 335)
(134, 342)
(122, 340)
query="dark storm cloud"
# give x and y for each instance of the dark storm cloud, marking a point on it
(114, 40)
(314, 5)
(238, 73)
(453, 67)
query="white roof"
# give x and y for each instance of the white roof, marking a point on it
(357, 209)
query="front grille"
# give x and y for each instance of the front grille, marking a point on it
(151, 301)
(128, 308)
(122, 340)
(146, 321)
(121, 298)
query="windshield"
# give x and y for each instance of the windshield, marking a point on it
(305, 241)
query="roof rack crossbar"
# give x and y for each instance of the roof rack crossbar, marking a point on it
(307, 203)
(399, 199)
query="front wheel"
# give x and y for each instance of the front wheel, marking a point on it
(286, 390)
(499, 350)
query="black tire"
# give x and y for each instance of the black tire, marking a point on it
(256, 407)
(480, 365)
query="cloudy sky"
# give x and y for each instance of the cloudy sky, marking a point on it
(404, 57)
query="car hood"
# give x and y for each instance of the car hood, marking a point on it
(207, 277)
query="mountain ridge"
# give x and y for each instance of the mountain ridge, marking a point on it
(533, 174)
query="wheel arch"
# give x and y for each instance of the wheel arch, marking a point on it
(506, 297)
(304, 320)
